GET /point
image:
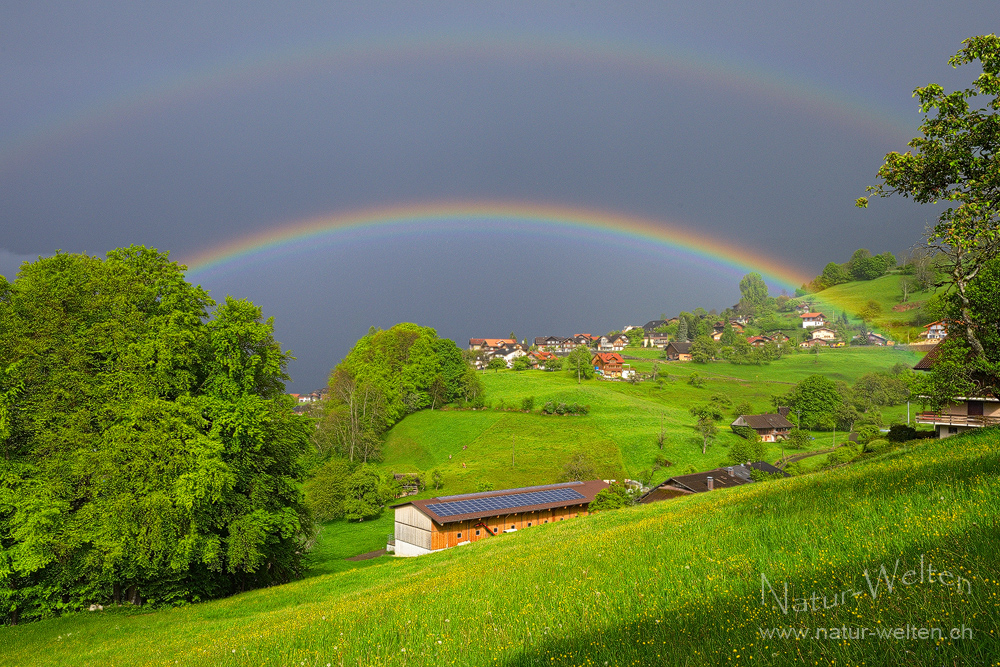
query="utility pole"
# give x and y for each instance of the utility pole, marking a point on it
(511, 451)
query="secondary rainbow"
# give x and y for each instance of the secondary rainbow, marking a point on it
(311, 235)
(595, 51)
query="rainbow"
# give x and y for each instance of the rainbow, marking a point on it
(618, 56)
(314, 234)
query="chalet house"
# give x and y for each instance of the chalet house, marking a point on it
(652, 325)
(508, 354)
(554, 343)
(812, 320)
(476, 344)
(815, 342)
(823, 333)
(614, 343)
(655, 339)
(702, 482)
(769, 427)
(608, 364)
(876, 339)
(758, 341)
(963, 414)
(777, 337)
(433, 524)
(935, 331)
(717, 334)
(541, 356)
(584, 339)
(676, 351)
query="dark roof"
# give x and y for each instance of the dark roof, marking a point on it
(927, 362)
(764, 421)
(652, 324)
(584, 494)
(698, 481)
(680, 348)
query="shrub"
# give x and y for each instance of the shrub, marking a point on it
(742, 451)
(876, 445)
(901, 433)
(843, 454)
(483, 485)
(797, 439)
(549, 408)
(528, 403)
(561, 409)
(746, 432)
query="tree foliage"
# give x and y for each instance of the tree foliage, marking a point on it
(387, 375)
(753, 292)
(149, 452)
(955, 161)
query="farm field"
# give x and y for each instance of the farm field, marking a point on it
(675, 582)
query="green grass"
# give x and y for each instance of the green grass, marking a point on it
(620, 433)
(339, 540)
(885, 291)
(672, 583)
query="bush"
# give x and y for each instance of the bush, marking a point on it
(549, 408)
(901, 433)
(797, 439)
(743, 451)
(843, 454)
(746, 432)
(876, 445)
(561, 409)
(482, 486)
(614, 497)
(696, 380)
(528, 403)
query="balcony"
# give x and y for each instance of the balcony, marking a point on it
(958, 420)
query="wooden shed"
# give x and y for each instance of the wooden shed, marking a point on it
(432, 524)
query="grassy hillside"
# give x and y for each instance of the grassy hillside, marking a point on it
(902, 326)
(620, 433)
(676, 582)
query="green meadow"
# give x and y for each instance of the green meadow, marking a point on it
(671, 583)
(620, 433)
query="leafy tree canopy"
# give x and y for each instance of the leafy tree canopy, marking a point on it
(148, 450)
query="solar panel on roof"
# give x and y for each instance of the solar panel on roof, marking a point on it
(494, 503)
(463, 496)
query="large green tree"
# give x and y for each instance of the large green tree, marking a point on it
(148, 450)
(955, 161)
(753, 293)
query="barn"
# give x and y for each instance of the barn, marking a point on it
(429, 525)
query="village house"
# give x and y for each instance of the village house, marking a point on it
(758, 341)
(823, 333)
(542, 356)
(508, 354)
(608, 364)
(934, 331)
(768, 426)
(655, 339)
(815, 342)
(554, 343)
(433, 524)
(812, 320)
(964, 413)
(676, 351)
(703, 482)
(615, 343)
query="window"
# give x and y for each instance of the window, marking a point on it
(460, 536)
(529, 524)
(952, 430)
(546, 521)
(512, 526)
(477, 532)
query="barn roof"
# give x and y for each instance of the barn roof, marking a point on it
(764, 421)
(451, 509)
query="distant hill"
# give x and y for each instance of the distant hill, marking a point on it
(902, 321)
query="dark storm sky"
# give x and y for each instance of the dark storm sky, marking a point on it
(184, 125)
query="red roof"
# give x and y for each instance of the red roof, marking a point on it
(811, 315)
(609, 357)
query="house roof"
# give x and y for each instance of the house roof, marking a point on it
(542, 355)
(680, 348)
(698, 481)
(476, 341)
(927, 362)
(939, 322)
(652, 324)
(497, 342)
(609, 357)
(766, 420)
(811, 315)
(656, 334)
(450, 509)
